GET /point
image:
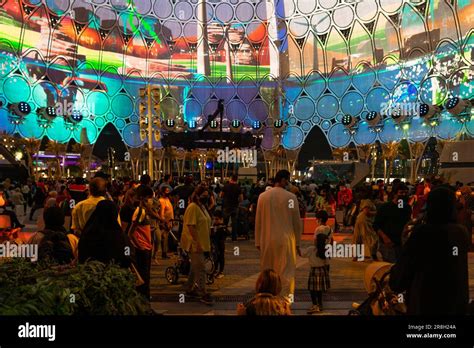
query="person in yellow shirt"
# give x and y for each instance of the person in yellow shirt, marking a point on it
(166, 215)
(196, 240)
(84, 209)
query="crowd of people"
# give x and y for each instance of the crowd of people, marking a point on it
(129, 222)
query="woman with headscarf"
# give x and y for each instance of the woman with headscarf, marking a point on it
(102, 238)
(433, 268)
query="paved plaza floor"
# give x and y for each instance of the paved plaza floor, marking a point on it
(241, 272)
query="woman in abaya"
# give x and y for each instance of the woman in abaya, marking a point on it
(433, 268)
(103, 239)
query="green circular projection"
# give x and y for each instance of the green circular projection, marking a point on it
(29, 128)
(122, 106)
(120, 123)
(99, 122)
(98, 103)
(16, 89)
(58, 131)
(5, 125)
(91, 131)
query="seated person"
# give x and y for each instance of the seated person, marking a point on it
(267, 301)
(53, 241)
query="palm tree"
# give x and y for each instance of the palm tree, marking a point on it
(31, 146)
(416, 151)
(389, 153)
(58, 150)
(85, 152)
(364, 151)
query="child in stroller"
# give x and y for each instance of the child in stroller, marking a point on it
(382, 300)
(182, 264)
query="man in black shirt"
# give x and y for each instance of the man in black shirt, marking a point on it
(183, 193)
(390, 221)
(231, 195)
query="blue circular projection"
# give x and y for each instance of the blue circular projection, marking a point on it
(376, 98)
(338, 135)
(236, 110)
(258, 110)
(292, 121)
(58, 131)
(325, 125)
(315, 119)
(192, 109)
(120, 124)
(449, 127)
(304, 108)
(315, 86)
(364, 81)
(306, 126)
(16, 89)
(122, 106)
(470, 125)
(364, 134)
(91, 131)
(29, 128)
(131, 135)
(339, 82)
(98, 103)
(389, 77)
(352, 103)
(418, 131)
(328, 106)
(390, 132)
(293, 138)
(5, 124)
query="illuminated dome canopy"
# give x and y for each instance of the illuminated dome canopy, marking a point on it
(304, 62)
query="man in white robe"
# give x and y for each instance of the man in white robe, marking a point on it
(278, 229)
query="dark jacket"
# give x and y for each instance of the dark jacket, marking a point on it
(433, 270)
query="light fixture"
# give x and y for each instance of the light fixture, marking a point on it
(256, 125)
(428, 111)
(170, 124)
(46, 115)
(76, 117)
(456, 105)
(214, 125)
(191, 125)
(279, 126)
(349, 122)
(373, 118)
(235, 126)
(398, 116)
(18, 112)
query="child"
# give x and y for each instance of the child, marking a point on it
(218, 237)
(318, 280)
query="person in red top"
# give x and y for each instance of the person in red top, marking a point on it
(140, 238)
(344, 199)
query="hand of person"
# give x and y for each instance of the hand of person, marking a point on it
(241, 309)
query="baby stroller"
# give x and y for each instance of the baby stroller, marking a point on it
(182, 264)
(382, 300)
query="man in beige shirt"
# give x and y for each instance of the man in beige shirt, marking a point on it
(84, 209)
